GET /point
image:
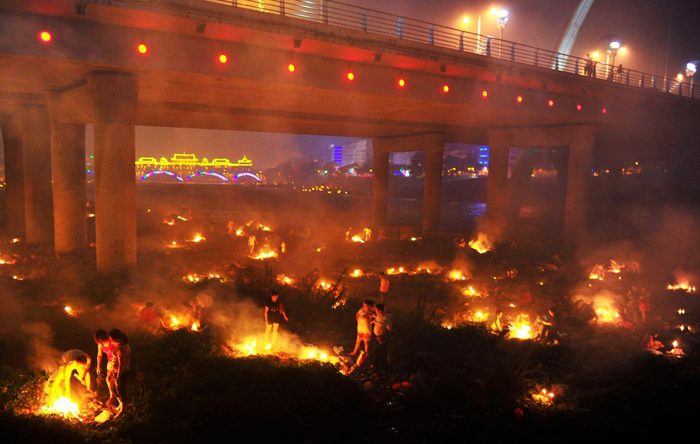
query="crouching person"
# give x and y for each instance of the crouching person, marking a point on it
(74, 365)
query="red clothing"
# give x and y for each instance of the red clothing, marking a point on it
(147, 314)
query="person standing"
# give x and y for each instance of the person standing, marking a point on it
(251, 244)
(382, 328)
(274, 314)
(364, 317)
(111, 351)
(383, 287)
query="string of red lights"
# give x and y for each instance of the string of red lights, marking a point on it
(46, 37)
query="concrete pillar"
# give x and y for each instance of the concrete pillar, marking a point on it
(520, 184)
(38, 200)
(114, 98)
(380, 183)
(579, 172)
(69, 185)
(14, 176)
(433, 183)
(497, 185)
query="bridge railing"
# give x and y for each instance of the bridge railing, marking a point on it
(382, 23)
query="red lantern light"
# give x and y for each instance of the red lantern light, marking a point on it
(351, 76)
(402, 83)
(551, 103)
(605, 110)
(446, 89)
(142, 48)
(520, 99)
(291, 67)
(484, 94)
(223, 59)
(578, 107)
(45, 36)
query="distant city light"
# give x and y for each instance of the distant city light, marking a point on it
(45, 36)
(503, 13)
(578, 107)
(484, 94)
(691, 67)
(446, 89)
(223, 58)
(351, 76)
(551, 103)
(291, 67)
(615, 44)
(142, 48)
(520, 99)
(402, 83)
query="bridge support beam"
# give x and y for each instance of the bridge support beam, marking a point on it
(497, 184)
(114, 96)
(578, 182)
(380, 183)
(36, 146)
(578, 139)
(14, 176)
(69, 185)
(435, 145)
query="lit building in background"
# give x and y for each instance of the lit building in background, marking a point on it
(355, 153)
(185, 166)
(403, 158)
(336, 154)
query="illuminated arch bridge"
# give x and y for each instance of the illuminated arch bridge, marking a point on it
(199, 173)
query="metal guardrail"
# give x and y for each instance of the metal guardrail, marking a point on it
(382, 23)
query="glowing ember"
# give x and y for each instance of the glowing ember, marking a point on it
(482, 244)
(684, 286)
(399, 270)
(285, 280)
(675, 344)
(15, 240)
(456, 275)
(198, 238)
(357, 239)
(598, 273)
(63, 406)
(607, 315)
(357, 273)
(470, 291)
(681, 311)
(69, 311)
(195, 327)
(521, 329)
(324, 285)
(239, 232)
(170, 222)
(174, 322)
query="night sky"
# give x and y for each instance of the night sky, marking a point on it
(643, 26)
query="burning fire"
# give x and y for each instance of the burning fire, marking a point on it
(607, 315)
(456, 275)
(170, 222)
(63, 406)
(15, 240)
(357, 273)
(174, 323)
(357, 238)
(521, 329)
(195, 327)
(285, 280)
(399, 270)
(324, 285)
(470, 291)
(684, 286)
(240, 232)
(265, 255)
(482, 243)
(543, 397)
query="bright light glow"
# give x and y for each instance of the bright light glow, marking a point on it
(503, 13)
(551, 103)
(691, 67)
(446, 89)
(223, 58)
(679, 77)
(206, 173)
(615, 44)
(578, 107)
(494, 11)
(623, 50)
(351, 76)
(605, 110)
(402, 83)
(520, 99)
(45, 36)
(142, 48)
(466, 20)
(165, 173)
(291, 67)
(484, 94)
(247, 175)
(595, 55)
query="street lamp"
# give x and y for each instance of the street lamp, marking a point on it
(501, 22)
(690, 69)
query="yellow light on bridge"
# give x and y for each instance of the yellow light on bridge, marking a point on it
(402, 83)
(142, 48)
(679, 77)
(351, 76)
(291, 67)
(446, 89)
(494, 11)
(466, 20)
(595, 55)
(623, 50)
(223, 59)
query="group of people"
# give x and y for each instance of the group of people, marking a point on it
(75, 365)
(373, 329)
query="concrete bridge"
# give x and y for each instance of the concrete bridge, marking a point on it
(117, 64)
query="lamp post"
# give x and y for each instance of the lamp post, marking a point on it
(690, 69)
(502, 20)
(466, 21)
